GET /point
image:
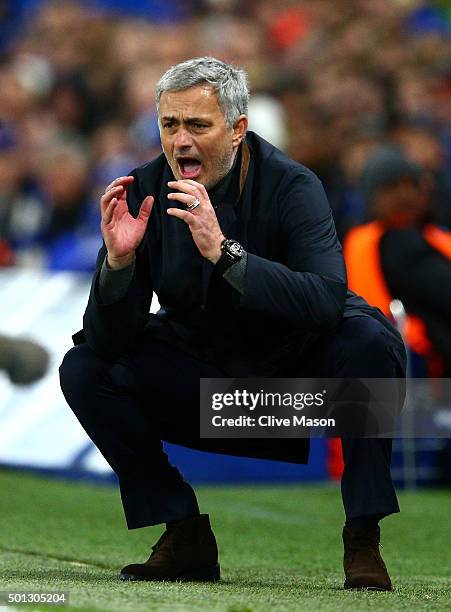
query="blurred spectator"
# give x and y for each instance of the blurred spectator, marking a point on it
(20, 209)
(70, 233)
(56, 225)
(422, 146)
(402, 255)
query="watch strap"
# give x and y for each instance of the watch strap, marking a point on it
(224, 263)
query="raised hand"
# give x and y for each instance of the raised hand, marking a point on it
(202, 220)
(121, 232)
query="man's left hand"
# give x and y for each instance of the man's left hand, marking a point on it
(202, 220)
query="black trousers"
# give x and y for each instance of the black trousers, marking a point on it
(129, 406)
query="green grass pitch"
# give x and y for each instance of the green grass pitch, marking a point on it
(280, 549)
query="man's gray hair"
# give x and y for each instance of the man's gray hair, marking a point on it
(230, 84)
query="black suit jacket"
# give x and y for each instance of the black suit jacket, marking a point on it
(295, 284)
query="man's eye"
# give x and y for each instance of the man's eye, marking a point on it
(167, 124)
(199, 125)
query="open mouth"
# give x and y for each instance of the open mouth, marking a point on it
(189, 167)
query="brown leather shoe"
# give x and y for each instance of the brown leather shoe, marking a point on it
(363, 564)
(187, 550)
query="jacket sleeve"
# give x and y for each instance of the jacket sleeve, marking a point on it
(110, 329)
(307, 288)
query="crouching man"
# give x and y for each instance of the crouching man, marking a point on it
(238, 242)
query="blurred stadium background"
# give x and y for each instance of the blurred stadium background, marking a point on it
(332, 80)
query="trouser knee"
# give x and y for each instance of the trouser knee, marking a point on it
(81, 372)
(371, 350)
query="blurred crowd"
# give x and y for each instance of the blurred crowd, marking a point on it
(331, 81)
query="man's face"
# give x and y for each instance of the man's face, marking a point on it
(402, 203)
(195, 138)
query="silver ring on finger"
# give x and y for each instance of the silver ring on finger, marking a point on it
(194, 205)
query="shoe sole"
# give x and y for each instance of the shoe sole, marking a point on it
(203, 574)
(366, 588)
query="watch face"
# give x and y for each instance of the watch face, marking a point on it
(236, 249)
(232, 250)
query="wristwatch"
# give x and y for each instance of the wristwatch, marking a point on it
(232, 252)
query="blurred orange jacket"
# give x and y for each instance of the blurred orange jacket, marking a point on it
(365, 276)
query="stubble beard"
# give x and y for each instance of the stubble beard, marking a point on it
(222, 165)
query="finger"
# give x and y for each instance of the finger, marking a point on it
(185, 187)
(184, 215)
(115, 192)
(146, 208)
(198, 186)
(109, 212)
(122, 180)
(184, 198)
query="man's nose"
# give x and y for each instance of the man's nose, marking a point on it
(183, 139)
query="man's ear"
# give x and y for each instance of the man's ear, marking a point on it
(239, 130)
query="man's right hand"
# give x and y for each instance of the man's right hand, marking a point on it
(121, 232)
